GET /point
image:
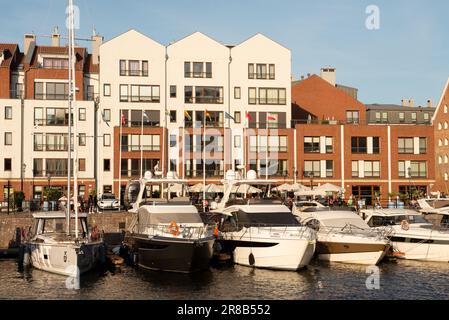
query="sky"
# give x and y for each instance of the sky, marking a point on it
(406, 55)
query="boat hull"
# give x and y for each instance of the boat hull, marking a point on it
(174, 255)
(352, 252)
(422, 251)
(68, 259)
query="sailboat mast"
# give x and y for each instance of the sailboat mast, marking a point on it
(75, 133)
(69, 166)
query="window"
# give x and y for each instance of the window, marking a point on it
(401, 169)
(252, 99)
(445, 109)
(197, 69)
(445, 124)
(250, 71)
(413, 115)
(106, 165)
(236, 92)
(418, 169)
(8, 113)
(261, 70)
(378, 119)
(133, 66)
(312, 169)
(384, 117)
(272, 96)
(56, 63)
(57, 91)
(38, 142)
(107, 90)
(440, 126)
(237, 117)
(401, 117)
(426, 117)
(440, 160)
(329, 145)
(172, 116)
(188, 94)
(106, 140)
(445, 176)
(329, 168)
(187, 72)
(107, 115)
(446, 159)
(445, 142)
(311, 144)
(208, 69)
(422, 145)
(372, 169)
(7, 164)
(172, 140)
(90, 95)
(123, 92)
(122, 67)
(207, 95)
(37, 167)
(172, 91)
(8, 138)
(376, 145)
(39, 90)
(352, 117)
(82, 139)
(271, 72)
(145, 68)
(253, 143)
(355, 169)
(237, 141)
(358, 145)
(82, 164)
(440, 142)
(405, 145)
(82, 114)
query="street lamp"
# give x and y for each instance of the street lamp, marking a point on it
(311, 180)
(23, 175)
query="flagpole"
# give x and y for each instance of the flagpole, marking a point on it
(69, 150)
(204, 160)
(266, 150)
(183, 148)
(120, 160)
(141, 147)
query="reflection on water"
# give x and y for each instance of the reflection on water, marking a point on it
(398, 280)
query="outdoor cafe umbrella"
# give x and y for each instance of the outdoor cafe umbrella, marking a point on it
(213, 188)
(328, 187)
(245, 188)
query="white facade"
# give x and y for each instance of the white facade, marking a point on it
(10, 124)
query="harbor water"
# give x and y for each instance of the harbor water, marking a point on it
(395, 280)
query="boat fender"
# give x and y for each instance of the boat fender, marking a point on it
(405, 225)
(216, 230)
(174, 228)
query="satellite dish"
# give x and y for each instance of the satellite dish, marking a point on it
(148, 175)
(251, 175)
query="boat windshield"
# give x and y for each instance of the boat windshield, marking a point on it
(270, 219)
(377, 221)
(57, 226)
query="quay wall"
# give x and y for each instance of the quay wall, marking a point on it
(110, 222)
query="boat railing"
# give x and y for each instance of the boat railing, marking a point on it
(178, 231)
(350, 229)
(273, 230)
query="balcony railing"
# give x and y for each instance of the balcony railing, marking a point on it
(205, 99)
(51, 96)
(261, 76)
(271, 101)
(200, 124)
(313, 174)
(128, 98)
(311, 149)
(355, 122)
(134, 73)
(134, 148)
(209, 148)
(51, 173)
(51, 147)
(52, 122)
(130, 123)
(270, 149)
(197, 74)
(266, 125)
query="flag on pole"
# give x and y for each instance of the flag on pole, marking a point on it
(271, 116)
(248, 116)
(146, 116)
(228, 116)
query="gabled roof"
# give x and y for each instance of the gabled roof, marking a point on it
(194, 34)
(130, 31)
(439, 106)
(8, 50)
(261, 35)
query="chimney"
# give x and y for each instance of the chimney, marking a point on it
(429, 103)
(404, 102)
(411, 103)
(308, 75)
(329, 74)
(97, 40)
(28, 39)
(55, 38)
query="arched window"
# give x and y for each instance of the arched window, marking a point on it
(446, 142)
(439, 126)
(440, 142)
(440, 160)
(445, 108)
(445, 176)
(446, 159)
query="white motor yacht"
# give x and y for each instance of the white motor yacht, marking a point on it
(413, 236)
(343, 236)
(262, 233)
(167, 233)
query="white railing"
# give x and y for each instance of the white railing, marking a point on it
(349, 229)
(237, 232)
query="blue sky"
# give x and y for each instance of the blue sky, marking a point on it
(408, 57)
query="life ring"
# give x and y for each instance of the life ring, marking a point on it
(173, 228)
(405, 225)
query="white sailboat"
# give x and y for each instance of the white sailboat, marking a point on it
(57, 245)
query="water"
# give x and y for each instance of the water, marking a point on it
(398, 280)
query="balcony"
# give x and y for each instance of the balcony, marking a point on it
(204, 99)
(146, 124)
(274, 149)
(52, 122)
(134, 73)
(37, 173)
(199, 124)
(197, 74)
(128, 98)
(145, 148)
(51, 147)
(355, 122)
(270, 101)
(51, 96)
